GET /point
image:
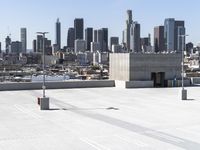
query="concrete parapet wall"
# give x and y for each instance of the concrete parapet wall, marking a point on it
(177, 83)
(139, 84)
(57, 85)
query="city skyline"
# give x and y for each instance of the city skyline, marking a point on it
(102, 14)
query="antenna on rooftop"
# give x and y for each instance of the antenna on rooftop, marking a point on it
(8, 31)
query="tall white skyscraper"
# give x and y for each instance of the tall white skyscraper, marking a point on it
(24, 40)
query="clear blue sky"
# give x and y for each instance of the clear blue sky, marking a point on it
(40, 15)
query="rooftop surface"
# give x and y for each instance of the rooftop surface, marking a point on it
(101, 119)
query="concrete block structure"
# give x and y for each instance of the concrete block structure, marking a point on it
(157, 68)
(44, 103)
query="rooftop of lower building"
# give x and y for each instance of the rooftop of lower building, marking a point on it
(101, 119)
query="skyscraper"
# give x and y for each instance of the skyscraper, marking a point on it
(114, 41)
(39, 43)
(180, 38)
(172, 31)
(78, 28)
(58, 34)
(129, 22)
(105, 39)
(34, 46)
(48, 47)
(179, 30)
(135, 45)
(24, 40)
(95, 35)
(70, 38)
(102, 39)
(0, 48)
(16, 47)
(159, 43)
(8, 44)
(169, 34)
(88, 37)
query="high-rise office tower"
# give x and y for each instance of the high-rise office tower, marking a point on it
(24, 40)
(159, 43)
(70, 38)
(8, 44)
(95, 35)
(123, 37)
(114, 41)
(135, 45)
(129, 22)
(172, 29)
(124, 41)
(39, 43)
(58, 34)
(180, 38)
(169, 34)
(88, 37)
(78, 28)
(105, 39)
(48, 47)
(0, 48)
(16, 47)
(102, 38)
(34, 46)
(179, 41)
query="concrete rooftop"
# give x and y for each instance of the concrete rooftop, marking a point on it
(101, 119)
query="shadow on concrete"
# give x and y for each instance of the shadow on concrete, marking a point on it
(190, 99)
(82, 109)
(53, 109)
(112, 108)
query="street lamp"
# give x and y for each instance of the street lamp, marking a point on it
(183, 91)
(44, 101)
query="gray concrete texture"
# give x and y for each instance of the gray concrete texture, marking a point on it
(101, 119)
(44, 103)
(57, 85)
(136, 66)
(139, 84)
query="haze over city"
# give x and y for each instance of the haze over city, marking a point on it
(41, 16)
